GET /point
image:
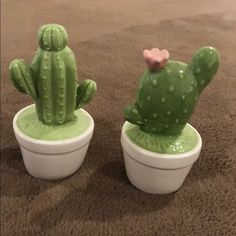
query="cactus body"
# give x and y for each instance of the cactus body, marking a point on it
(56, 85)
(52, 78)
(167, 97)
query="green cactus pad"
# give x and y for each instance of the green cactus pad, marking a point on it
(168, 144)
(51, 79)
(29, 124)
(167, 97)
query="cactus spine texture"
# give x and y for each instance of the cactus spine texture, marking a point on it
(51, 80)
(167, 97)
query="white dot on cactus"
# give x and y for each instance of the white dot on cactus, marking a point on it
(198, 70)
(183, 97)
(190, 89)
(168, 113)
(177, 121)
(154, 82)
(145, 119)
(202, 82)
(210, 65)
(166, 126)
(185, 110)
(163, 100)
(168, 70)
(171, 88)
(154, 115)
(211, 52)
(153, 129)
(46, 97)
(134, 111)
(148, 98)
(45, 67)
(139, 122)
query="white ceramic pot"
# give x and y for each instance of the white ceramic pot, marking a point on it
(157, 173)
(53, 159)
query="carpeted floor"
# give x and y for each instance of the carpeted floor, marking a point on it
(108, 38)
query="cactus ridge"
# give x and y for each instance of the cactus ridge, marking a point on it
(51, 79)
(167, 97)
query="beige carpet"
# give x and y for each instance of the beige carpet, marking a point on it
(108, 38)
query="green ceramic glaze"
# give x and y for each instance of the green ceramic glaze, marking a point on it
(168, 95)
(167, 144)
(29, 124)
(51, 79)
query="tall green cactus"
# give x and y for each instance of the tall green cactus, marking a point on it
(168, 94)
(51, 79)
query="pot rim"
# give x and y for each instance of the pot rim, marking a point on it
(27, 138)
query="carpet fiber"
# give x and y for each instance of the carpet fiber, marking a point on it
(107, 38)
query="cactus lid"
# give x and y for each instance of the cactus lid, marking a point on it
(52, 37)
(169, 90)
(51, 78)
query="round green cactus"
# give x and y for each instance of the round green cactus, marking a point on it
(167, 96)
(52, 37)
(51, 79)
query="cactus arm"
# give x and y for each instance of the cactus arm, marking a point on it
(20, 75)
(85, 92)
(51, 79)
(133, 115)
(204, 65)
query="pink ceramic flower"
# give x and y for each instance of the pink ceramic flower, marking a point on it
(156, 58)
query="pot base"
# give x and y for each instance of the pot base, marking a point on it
(157, 173)
(52, 160)
(55, 166)
(155, 181)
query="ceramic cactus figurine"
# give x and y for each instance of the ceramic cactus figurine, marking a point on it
(55, 132)
(51, 79)
(169, 90)
(159, 145)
